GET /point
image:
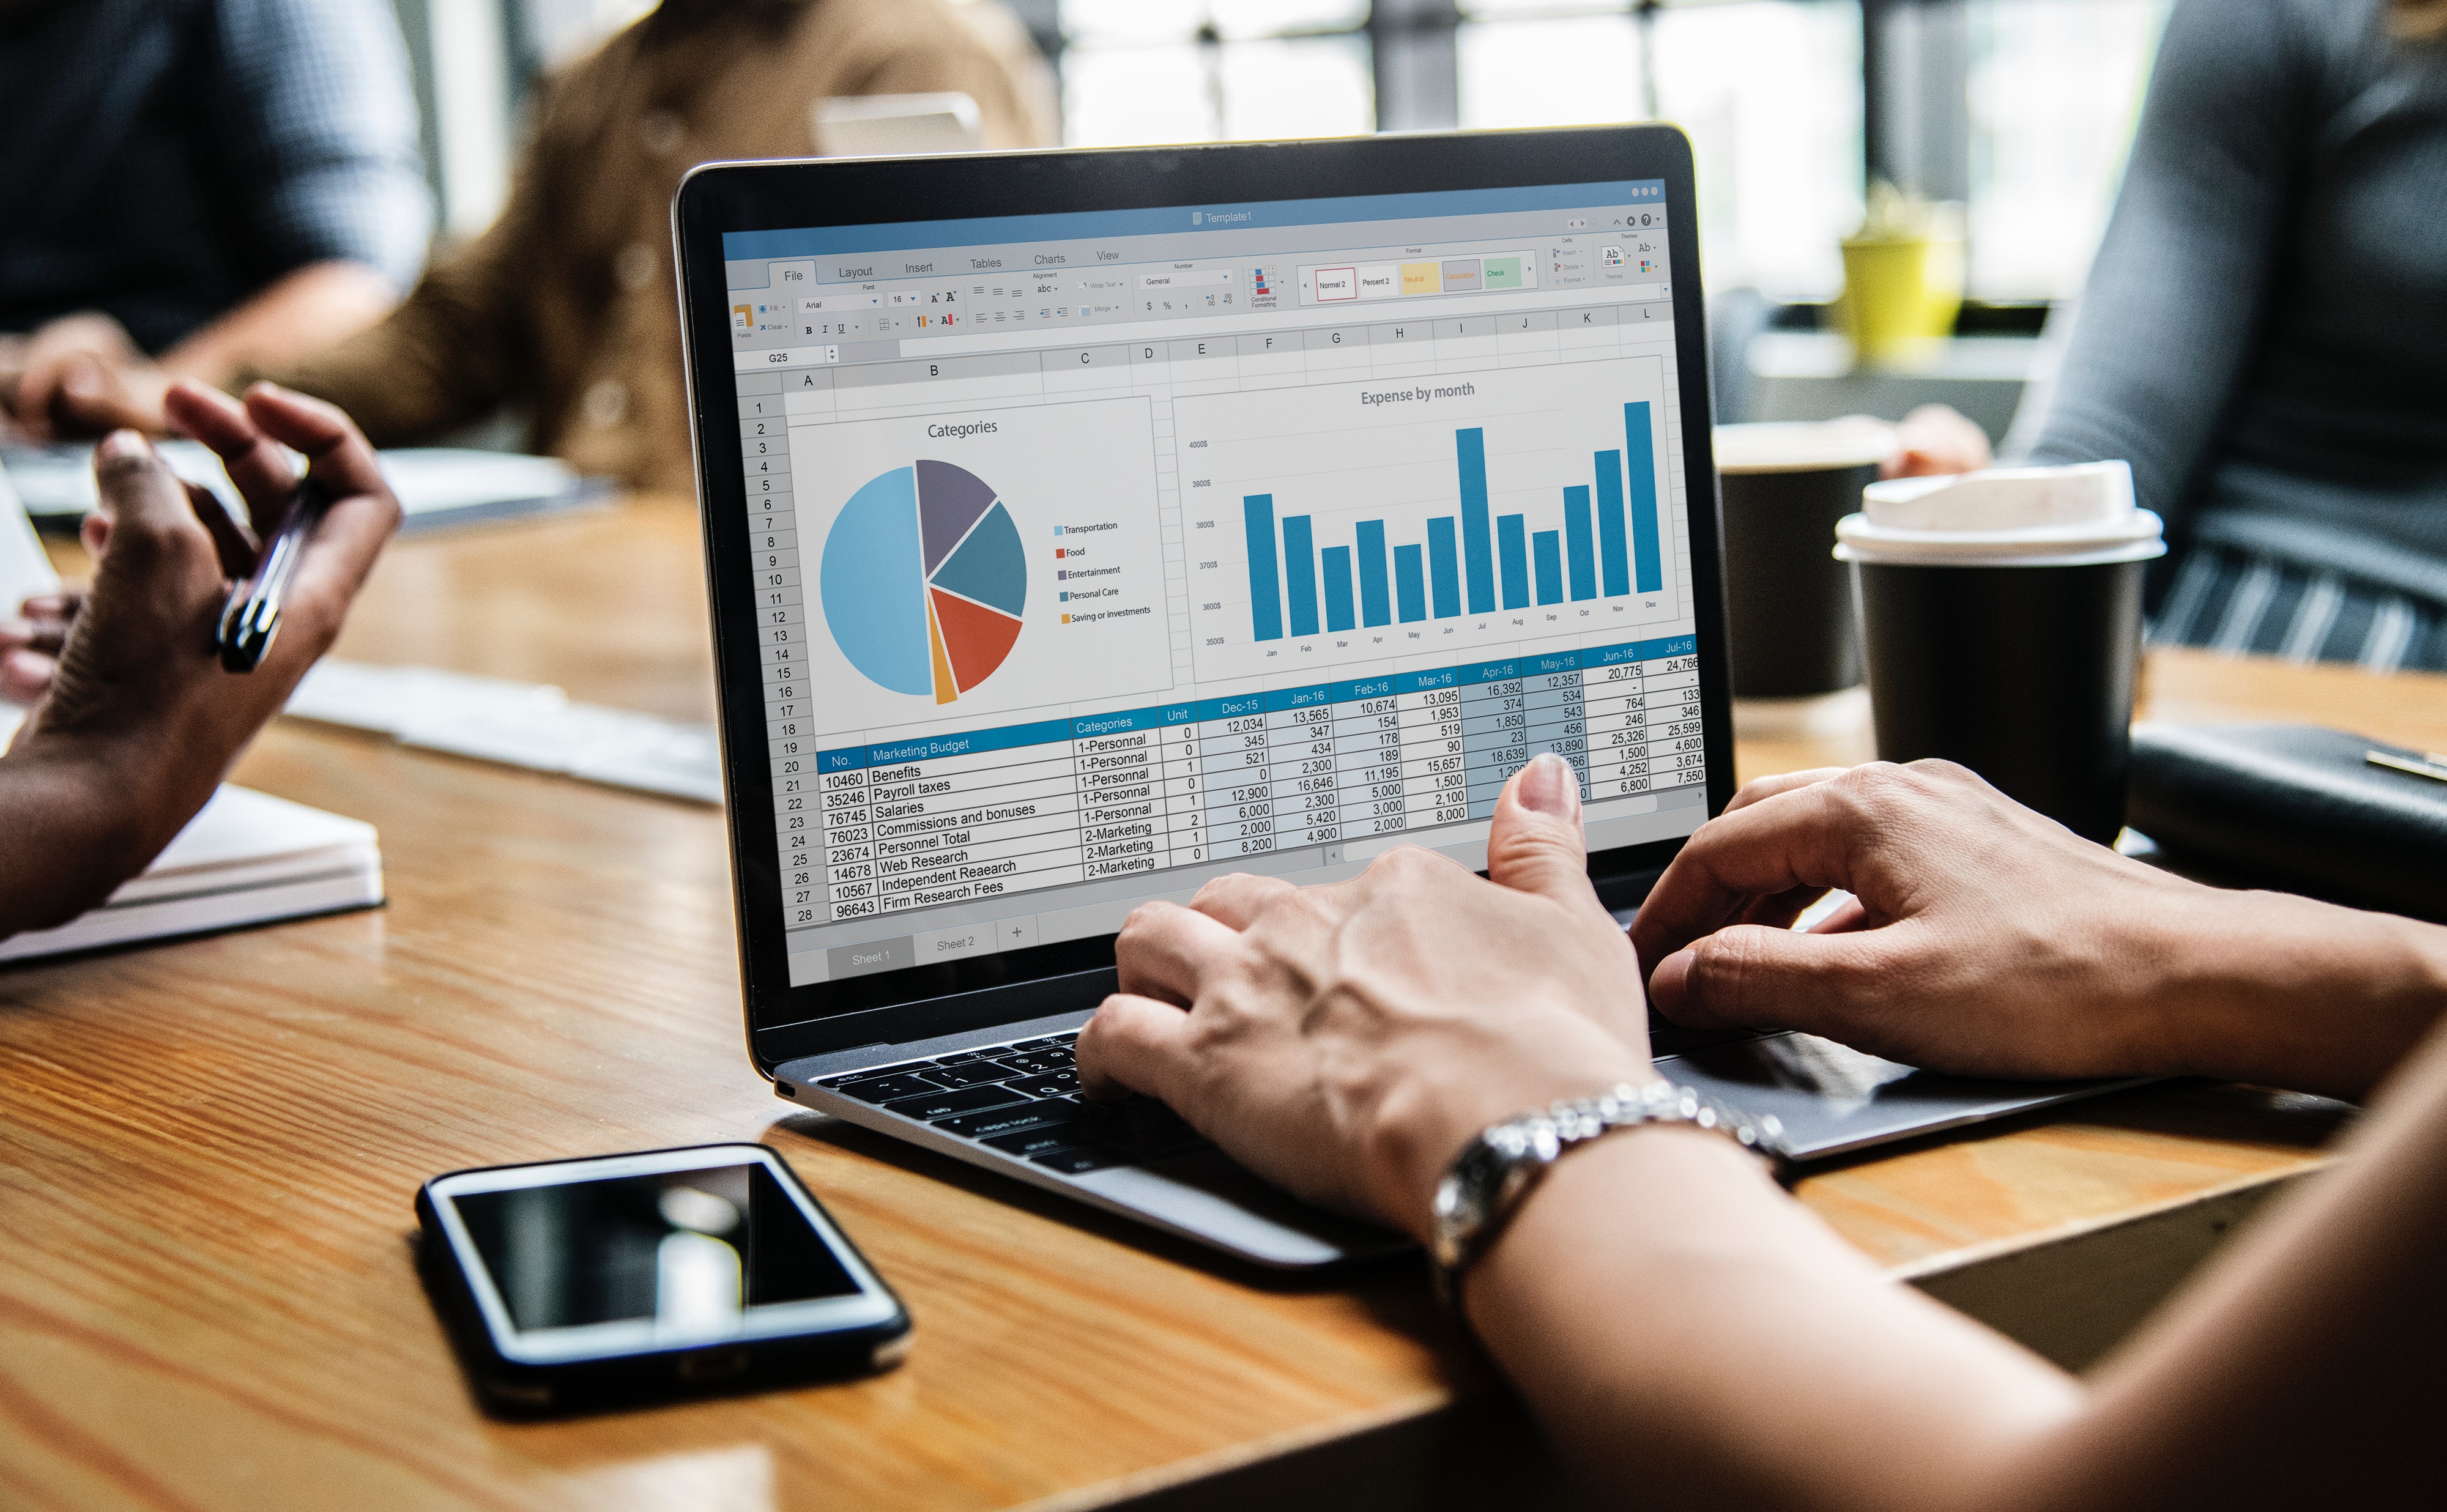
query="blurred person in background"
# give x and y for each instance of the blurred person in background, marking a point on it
(2265, 332)
(567, 306)
(192, 187)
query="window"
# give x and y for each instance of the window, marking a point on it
(1769, 90)
(1189, 70)
(2024, 109)
(2056, 90)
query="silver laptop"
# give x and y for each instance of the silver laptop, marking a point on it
(1082, 526)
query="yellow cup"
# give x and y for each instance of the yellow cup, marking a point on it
(1898, 293)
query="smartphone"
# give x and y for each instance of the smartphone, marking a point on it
(573, 1286)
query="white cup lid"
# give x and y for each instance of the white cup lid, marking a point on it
(2005, 516)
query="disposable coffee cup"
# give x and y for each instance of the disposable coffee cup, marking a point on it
(2000, 612)
(1795, 637)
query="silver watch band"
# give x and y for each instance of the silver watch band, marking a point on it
(1488, 1180)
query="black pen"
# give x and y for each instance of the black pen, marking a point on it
(252, 616)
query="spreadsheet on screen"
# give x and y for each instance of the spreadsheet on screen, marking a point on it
(1098, 555)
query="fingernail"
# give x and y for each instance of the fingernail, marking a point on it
(121, 443)
(1551, 787)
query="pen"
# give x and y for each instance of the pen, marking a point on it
(252, 616)
(2432, 764)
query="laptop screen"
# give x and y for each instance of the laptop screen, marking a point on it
(1097, 555)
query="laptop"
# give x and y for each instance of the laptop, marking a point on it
(1081, 526)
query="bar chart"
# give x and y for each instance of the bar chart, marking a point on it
(1427, 515)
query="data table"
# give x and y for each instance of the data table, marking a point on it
(884, 828)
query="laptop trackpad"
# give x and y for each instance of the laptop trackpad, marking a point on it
(1832, 1098)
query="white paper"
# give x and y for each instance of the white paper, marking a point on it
(534, 726)
(25, 568)
(434, 480)
(429, 480)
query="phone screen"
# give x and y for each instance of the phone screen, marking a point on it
(689, 1253)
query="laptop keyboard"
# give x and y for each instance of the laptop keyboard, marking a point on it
(1023, 1099)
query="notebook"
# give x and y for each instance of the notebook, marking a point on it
(247, 859)
(2324, 812)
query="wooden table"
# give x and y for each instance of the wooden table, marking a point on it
(208, 1152)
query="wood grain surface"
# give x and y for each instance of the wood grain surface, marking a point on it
(208, 1149)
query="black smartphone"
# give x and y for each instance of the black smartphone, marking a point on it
(573, 1286)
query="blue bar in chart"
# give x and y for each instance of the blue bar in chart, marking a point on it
(1443, 570)
(1265, 593)
(1337, 560)
(1546, 549)
(1299, 575)
(1445, 566)
(1375, 604)
(1577, 544)
(1513, 545)
(1409, 584)
(1639, 456)
(1611, 546)
(1470, 447)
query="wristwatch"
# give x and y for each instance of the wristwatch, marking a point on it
(1494, 1171)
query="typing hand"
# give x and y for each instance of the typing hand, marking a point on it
(1935, 440)
(138, 694)
(1986, 939)
(1345, 1041)
(81, 375)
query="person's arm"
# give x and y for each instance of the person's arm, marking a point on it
(456, 348)
(301, 313)
(1687, 1332)
(83, 374)
(140, 722)
(2178, 296)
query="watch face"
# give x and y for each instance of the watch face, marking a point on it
(1465, 1196)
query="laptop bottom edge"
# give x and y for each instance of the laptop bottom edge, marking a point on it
(1003, 1106)
(1199, 1195)
(1832, 1100)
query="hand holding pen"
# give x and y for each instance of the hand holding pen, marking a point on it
(299, 563)
(139, 717)
(251, 617)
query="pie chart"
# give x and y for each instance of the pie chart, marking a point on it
(924, 581)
